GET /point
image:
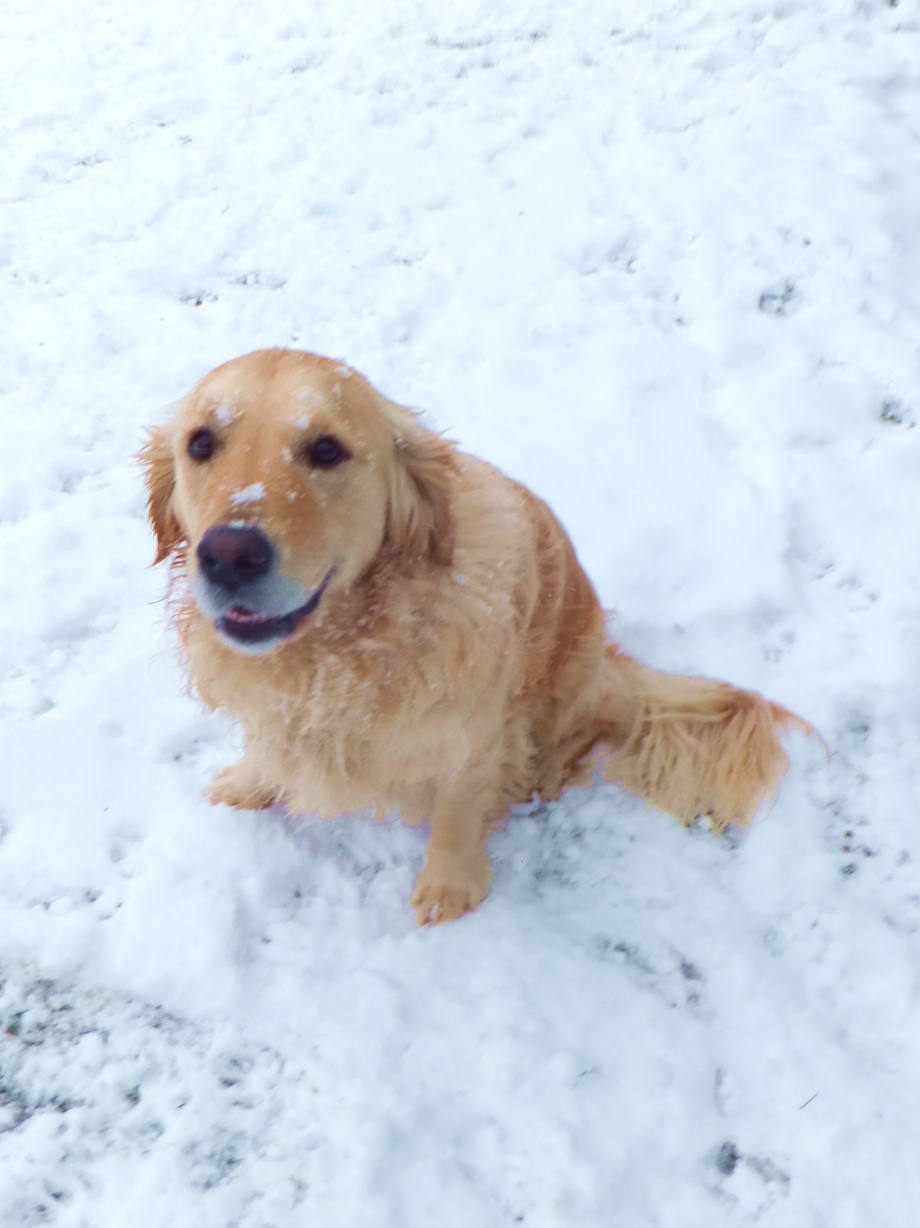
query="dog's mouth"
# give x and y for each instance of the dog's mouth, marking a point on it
(252, 627)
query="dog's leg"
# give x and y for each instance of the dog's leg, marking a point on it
(240, 785)
(457, 872)
(692, 746)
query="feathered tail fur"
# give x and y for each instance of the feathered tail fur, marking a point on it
(691, 746)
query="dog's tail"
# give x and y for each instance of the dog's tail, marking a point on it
(692, 746)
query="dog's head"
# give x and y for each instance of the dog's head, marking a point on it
(282, 476)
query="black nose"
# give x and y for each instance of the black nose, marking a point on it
(231, 557)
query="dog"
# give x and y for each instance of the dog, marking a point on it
(399, 627)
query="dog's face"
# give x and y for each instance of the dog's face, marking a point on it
(283, 475)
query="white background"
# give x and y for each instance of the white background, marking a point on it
(661, 261)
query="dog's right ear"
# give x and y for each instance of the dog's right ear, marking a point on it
(160, 478)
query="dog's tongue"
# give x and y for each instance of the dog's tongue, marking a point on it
(246, 616)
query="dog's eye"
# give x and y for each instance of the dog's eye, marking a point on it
(326, 452)
(201, 445)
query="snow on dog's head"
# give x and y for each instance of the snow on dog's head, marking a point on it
(280, 480)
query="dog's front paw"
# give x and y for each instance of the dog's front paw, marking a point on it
(238, 786)
(439, 897)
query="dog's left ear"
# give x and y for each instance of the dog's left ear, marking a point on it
(160, 478)
(421, 519)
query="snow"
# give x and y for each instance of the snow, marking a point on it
(249, 494)
(662, 263)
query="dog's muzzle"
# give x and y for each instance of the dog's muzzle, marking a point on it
(240, 587)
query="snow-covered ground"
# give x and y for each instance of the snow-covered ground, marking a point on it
(660, 260)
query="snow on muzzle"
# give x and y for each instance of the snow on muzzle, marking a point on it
(240, 587)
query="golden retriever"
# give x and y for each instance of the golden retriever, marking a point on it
(400, 627)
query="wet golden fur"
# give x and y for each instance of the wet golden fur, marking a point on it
(458, 662)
